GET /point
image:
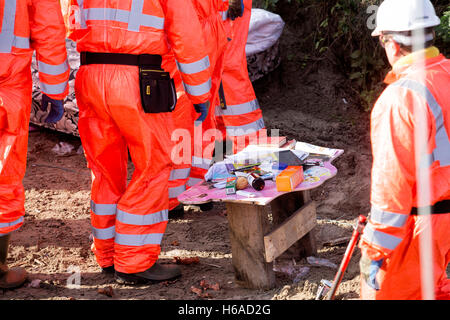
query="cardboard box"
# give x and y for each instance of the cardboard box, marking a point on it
(289, 178)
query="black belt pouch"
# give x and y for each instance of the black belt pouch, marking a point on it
(157, 90)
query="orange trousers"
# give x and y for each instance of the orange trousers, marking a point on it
(399, 277)
(15, 105)
(128, 220)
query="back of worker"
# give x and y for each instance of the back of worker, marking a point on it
(129, 221)
(26, 25)
(418, 91)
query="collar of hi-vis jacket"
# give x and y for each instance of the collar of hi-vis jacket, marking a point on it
(403, 65)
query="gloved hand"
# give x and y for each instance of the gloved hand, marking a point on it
(56, 109)
(235, 8)
(369, 269)
(202, 108)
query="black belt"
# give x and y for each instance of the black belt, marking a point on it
(120, 58)
(438, 208)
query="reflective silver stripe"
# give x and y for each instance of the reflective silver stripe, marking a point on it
(194, 67)
(7, 37)
(193, 181)
(198, 90)
(138, 239)
(380, 238)
(387, 218)
(21, 42)
(224, 14)
(235, 131)
(53, 70)
(201, 162)
(144, 219)
(239, 109)
(442, 151)
(135, 13)
(135, 18)
(10, 224)
(176, 191)
(53, 88)
(105, 233)
(103, 209)
(176, 174)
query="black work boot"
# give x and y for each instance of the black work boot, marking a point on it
(156, 273)
(108, 270)
(9, 278)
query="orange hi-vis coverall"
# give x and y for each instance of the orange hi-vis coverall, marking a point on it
(129, 221)
(192, 157)
(393, 230)
(25, 26)
(242, 120)
(205, 134)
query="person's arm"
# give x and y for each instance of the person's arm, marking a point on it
(185, 35)
(393, 171)
(48, 39)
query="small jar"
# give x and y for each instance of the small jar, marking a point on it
(256, 181)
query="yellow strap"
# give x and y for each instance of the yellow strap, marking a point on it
(430, 52)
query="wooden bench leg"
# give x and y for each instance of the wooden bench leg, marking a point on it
(282, 208)
(248, 224)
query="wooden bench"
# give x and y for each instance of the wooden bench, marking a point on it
(267, 225)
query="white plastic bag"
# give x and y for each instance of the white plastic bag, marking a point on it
(265, 29)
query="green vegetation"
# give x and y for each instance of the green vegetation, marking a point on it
(339, 30)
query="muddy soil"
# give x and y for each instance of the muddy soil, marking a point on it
(309, 104)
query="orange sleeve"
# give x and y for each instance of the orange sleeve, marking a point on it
(393, 171)
(48, 39)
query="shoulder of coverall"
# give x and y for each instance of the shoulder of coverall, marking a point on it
(413, 62)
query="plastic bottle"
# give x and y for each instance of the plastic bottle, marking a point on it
(256, 181)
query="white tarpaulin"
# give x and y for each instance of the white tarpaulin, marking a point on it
(265, 29)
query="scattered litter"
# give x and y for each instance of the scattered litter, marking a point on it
(204, 286)
(175, 243)
(337, 241)
(320, 262)
(36, 283)
(63, 148)
(196, 290)
(344, 100)
(303, 271)
(108, 291)
(193, 260)
(293, 270)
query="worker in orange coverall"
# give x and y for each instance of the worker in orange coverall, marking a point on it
(192, 157)
(125, 101)
(239, 117)
(417, 96)
(25, 26)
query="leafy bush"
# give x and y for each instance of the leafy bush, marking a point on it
(342, 29)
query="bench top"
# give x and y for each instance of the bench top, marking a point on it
(204, 191)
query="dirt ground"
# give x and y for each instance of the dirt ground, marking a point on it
(310, 105)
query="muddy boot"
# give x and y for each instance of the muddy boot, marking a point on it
(9, 278)
(156, 273)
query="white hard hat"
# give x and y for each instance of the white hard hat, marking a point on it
(405, 15)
